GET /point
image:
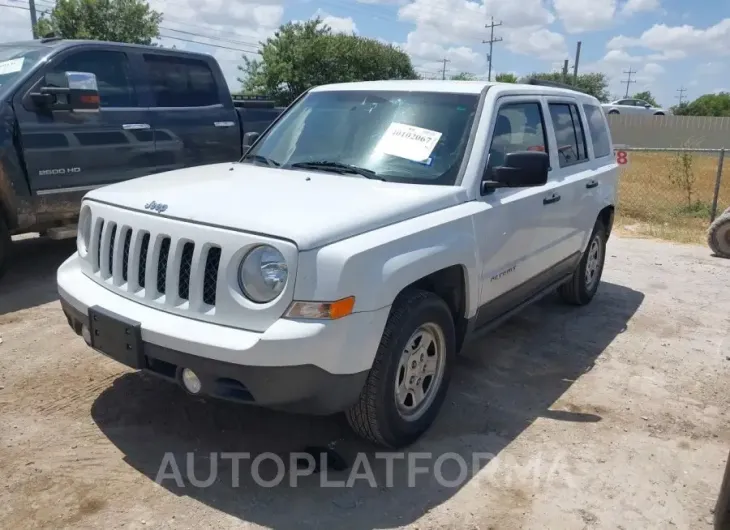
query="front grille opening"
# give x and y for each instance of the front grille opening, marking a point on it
(143, 259)
(186, 265)
(98, 244)
(210, 279)
(125, 254)
(162, 265)
(111, 248)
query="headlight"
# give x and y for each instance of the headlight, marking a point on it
(262, 274)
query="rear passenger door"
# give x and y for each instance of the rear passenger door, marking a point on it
(74, 151)
(194, 119)
(571, 173)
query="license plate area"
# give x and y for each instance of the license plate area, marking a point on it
(118, 337)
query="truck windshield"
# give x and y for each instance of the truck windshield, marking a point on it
(413, 137)
(14, 60)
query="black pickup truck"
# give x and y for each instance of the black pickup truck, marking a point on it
(64, 131)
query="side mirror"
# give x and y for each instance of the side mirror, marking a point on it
(249, 139)
(521, 169)
(647, 106)
(70, 91)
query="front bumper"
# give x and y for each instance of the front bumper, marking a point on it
(302, 366)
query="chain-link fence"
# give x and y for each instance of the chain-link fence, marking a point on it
(673, 193)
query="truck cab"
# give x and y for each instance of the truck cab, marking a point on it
(158, 110)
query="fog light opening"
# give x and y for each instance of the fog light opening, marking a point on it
(190, 381)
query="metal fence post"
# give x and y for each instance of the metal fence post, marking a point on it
(718, 180)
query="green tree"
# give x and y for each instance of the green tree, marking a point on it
(130, 21)
(506, 78)
(707, 105)
(595, 84)
(646, 96)
(302, 55)
(464, 76)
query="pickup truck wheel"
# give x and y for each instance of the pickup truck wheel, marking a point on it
(581, 288)
(5, 245)
(409, 378)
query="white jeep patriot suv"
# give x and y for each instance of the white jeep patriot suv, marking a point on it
(344, 261)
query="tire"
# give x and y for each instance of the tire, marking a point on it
(579, 290)
(658, 114)
(5, 246)
(718, 236)
(379, 416)
(613, 112)
(727, 211)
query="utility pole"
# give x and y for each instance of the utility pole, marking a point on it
(443, 73)
(33, 17)
(629, 80)
(565, 71)
(491, 42)
(575, 65)
(681, 91)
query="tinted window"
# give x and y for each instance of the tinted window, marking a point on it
(598, 130)
(626, 102)
(518, 127)
(412, 137)
(181, 82)
(568, 133)
(112, 75)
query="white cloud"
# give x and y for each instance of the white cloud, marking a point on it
(15, 25)
(453, 29)
(585, 15)
(680, 39)
(337, 24)
(638, 6)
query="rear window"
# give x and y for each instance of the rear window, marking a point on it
(598, 129)
(569, 133)
(181, 82)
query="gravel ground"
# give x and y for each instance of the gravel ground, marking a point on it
(610, 416)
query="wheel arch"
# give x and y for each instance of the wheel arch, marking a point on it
(606, 216)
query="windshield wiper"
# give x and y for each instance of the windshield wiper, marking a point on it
(260, 158)
(339, 167)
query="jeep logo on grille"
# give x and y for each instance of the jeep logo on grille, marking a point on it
(155, 206)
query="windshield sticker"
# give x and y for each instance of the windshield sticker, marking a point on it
(408, 141)
(11, 66)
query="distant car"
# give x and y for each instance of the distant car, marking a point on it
(633, 106)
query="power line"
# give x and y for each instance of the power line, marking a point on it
(443, 72)
(629, 80)
(491, 42)
(244, 43)
(681, 91)
(206, 43)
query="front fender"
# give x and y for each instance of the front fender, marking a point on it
(376, 266)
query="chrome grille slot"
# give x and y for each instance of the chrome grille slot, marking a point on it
(125, 257)
(210, 277)
(186, 267)
(162, 265)
(109, 266)
(142, 274)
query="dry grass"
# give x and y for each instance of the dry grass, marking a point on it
(650, 204)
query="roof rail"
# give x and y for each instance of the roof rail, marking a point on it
(554, 84)
(50, 37)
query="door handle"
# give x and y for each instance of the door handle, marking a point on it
(592, 184)
(135, 126)
(224, 124)
(551, 200)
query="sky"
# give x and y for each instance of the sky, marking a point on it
(669, 44)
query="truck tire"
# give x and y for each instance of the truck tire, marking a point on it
(410, 375)
(582, 287)
(5, 245)
(718, 236)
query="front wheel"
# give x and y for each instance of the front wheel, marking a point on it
(409, 378)
(582, 287)
(718, 235)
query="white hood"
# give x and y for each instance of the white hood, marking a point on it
(309, 208)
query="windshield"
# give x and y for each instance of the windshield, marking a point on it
(14, 60)
(414, 137)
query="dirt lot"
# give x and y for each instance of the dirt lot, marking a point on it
(619, 409)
